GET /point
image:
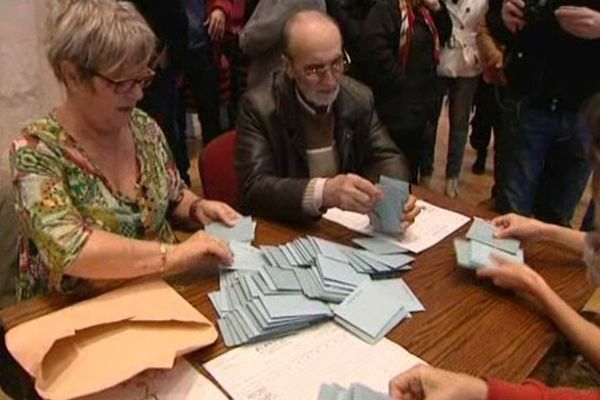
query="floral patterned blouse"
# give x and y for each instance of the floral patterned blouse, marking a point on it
(61, 195)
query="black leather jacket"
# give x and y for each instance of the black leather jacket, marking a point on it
(271, 157)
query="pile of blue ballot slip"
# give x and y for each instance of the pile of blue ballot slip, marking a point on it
(355, 392)
(275, 290)
(475, 252)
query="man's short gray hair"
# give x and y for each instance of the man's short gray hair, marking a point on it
(97, 35)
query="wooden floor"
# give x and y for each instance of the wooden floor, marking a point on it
(474, 189)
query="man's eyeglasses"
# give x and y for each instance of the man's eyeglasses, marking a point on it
(337, 68)
(126, 85)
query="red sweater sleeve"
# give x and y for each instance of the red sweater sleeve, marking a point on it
(534, 390)
(224, 5)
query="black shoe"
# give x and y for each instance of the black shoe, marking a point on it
(478, 167)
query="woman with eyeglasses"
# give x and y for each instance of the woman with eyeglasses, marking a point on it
(400, 48)
(434, 384)
(96, 188)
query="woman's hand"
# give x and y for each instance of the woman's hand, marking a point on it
(514, 276)
(519, 227)
(200, 249)
(209, 211)
(428, 383)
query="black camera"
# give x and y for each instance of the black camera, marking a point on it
(540, 10)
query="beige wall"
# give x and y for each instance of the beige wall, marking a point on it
(27, 87)
(27, 90)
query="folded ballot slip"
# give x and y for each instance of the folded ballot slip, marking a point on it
(356, 391)
(390, 210)
(98, 343)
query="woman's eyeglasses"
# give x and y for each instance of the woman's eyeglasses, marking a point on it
(126, 85)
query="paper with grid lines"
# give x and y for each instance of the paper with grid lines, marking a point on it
(294, 367)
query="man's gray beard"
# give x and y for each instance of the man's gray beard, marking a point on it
(325, 101)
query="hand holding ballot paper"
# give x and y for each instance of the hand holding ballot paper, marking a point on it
(389, 204)
(489, 251)
(477, 252)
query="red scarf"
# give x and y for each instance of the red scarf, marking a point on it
(406, 30)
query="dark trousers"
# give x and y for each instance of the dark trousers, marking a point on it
(545, 163)
(202, 74)
(161, 101)
(487, 118)
(237, 74)
(460, 96)
(410, 142)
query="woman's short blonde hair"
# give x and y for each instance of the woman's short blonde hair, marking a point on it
(97, 36)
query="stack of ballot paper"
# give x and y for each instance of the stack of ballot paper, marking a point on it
(475, 253)
(375, 307)
(355, 392)
(380, 258)
(242, 231)
(328, 279)
(275, 290)
(390, 210)
(252, 306)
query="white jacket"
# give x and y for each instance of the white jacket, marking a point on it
(460, 56)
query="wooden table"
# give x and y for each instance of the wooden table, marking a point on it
(469, 325)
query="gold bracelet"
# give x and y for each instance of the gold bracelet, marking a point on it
(163, 256)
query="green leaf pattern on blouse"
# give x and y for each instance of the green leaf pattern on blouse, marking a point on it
(61, 196)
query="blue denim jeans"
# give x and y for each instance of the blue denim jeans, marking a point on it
(460, 97)
(545, 165)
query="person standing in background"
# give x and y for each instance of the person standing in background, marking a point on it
(460, 67)
(350, 16)
(401, 45)
(206, 26)
(161, 99)
(552, 64)
(261, 37)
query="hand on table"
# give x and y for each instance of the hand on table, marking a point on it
(428, 383)
(209, 211)
(200, 249)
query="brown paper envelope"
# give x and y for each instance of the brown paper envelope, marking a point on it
(98, 343)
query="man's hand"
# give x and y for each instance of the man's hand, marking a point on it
(216, 24)
(428, 383)
(411, 210)
(350, 192)
(581, 22)
(513, 15)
